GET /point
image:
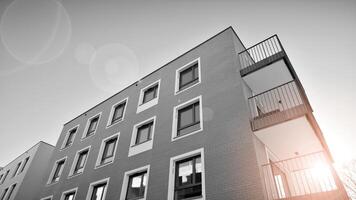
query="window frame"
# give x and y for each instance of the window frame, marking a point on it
(173, 167)
(72, 172)
(144, 106)
(4, 193)
(177, 89)
(63, 196)
(5, 176)
(96, 183)
(24, 163)
(144, 146)
(112, 112)
(65, 141)
(85, 136)
(10, 191)
(125, 181)
(47, 198)
(16, 169)
(54, 169)
(99, 163)
(175, 136)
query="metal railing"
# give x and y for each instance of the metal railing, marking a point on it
(309, 176)
(260, 51)
(277, 104)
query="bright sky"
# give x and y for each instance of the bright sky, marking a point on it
(59, 59)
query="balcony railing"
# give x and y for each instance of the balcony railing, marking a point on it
(261, 54)
(309, 176)
(276, 105)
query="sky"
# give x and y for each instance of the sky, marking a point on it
(60, 58)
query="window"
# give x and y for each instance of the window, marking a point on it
(134, 185)
(91, 126)
(57, 171)
(142, 136)
(16, 169)
(24, 164)
(69, 194)
(4, 194)
(148, 96)
(117, 112)
(47, 198)
(11, 190)
(187, 118)
(188, 76)
(79, 161)
(1, 177)
(69, 139)
(97, 190)
(186, 178)
(3, 180)
(107, 150)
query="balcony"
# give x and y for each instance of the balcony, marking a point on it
(279, 104)
(310, 176)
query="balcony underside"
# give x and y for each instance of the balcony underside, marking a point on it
(290, 138)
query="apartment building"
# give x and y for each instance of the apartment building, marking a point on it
(221, 121)
(22, 178)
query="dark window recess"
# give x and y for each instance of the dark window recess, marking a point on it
(189, 76)
(188, 119)
(188, 175)
(144, 133)
(149, 94)
(118, 112)
(136, 186)
(92, 126)
(16, 169)
(4, 193)
(109, 151)
(11, 191)
(70, 138)
(69, 196)
(7, 173)
(98, 192)
(79, 166)
(57, 172)
(24, 164)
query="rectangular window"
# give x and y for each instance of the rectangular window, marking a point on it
(16, 169)
(69, 196)
(7, 172)
(92, 126)
(144, 133)
(188, 178)
(188, 119)
(148, 96)
(150, 93)
(97, 190)
(24, 164)
(4, 194)
(1, 177)
(57, 171)
(80, 160)
(136, 186)
(118, 113)
(11, 191)
(109, 150)
(188, 76)
(70, 137)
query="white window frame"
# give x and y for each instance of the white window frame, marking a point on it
(179, 70)
(22, 167)
(101, 151)
(139, 148)
(49, 182)
(76, 157)
(47, 198)
(127, 175)
(69, 191)
(67, 135)
(17, 168)
(87, 126)
(109, 124)
(93, 184)
(175, 118)
(172, 168)
(144, 106)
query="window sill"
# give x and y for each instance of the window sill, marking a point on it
(104, 164)
(115, 123)
(147, 105)
(186, 135)
(74, 175)
(187, 88)
(137, 149)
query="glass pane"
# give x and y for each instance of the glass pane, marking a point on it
(189, 192)
(98, 192)
(136, 188)
(92, 125)
(185, 173)
(186, 76)
(198, 170)
(119, 110)
(109, 149)
(70, 138)
(69, 196)
(150, 94)
(196, 72)
(143, 134)
(81, 162)
(196, 110)
(185, 117)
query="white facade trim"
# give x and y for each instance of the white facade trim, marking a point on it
(126, 181)
(139, 148)
(144, 106)
(109, 124)
(176, 90)
(93, 184)
(101, 151)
